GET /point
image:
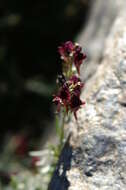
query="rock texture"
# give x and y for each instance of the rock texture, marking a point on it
(94, 34)
(94, 157)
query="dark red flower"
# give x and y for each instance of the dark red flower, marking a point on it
(66, 49)
(74, 79)
(69, 46)
(63, 97)
(77, 89)
(77, 48)
(57, 100)
(75, 104)
(69, 95)
(64, 93)
(78, 59)
(76, 84)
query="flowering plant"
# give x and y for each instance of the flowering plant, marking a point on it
(67, 101)
(70, 84)
(67, 98)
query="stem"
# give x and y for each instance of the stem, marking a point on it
(62, 132)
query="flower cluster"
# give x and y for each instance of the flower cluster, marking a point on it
(71, 54)
(68, 95)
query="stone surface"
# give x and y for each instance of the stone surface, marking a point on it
(93, 36)
(96, 150)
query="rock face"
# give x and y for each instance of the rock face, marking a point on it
(93, 36)
(94, 157)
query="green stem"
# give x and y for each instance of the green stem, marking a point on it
(61, 143)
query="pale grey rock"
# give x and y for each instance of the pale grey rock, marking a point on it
(94, 157)
(93, 36)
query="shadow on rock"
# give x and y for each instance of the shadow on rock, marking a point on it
(59, 179)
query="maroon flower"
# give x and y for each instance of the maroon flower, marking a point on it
(77, 48)
(74, 79)
(75, 104)
(63, 97)
(76, 84)
(77, 89)
(64, 93)
(66, 49)
(57, 100)
(69, 95)
(78, 58)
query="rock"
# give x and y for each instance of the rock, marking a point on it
(60, 181)
(93, 36)
(94, 157)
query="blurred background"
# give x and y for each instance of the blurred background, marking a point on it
(30, 32)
